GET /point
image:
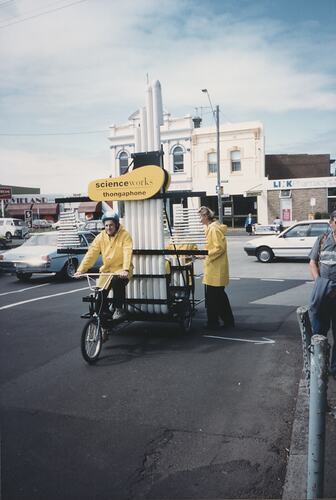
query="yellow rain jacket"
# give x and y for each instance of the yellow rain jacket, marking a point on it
(216, 265)
(116, 252)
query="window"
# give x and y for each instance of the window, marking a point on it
(235, 161)
(317, 229)
(178, 160)
(123, 163)
(285, 193)
(212, 163)
(298, 231)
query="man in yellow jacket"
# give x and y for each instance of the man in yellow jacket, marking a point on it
(115, 246)
(216, 271)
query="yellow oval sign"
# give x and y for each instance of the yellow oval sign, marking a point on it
(140, 184)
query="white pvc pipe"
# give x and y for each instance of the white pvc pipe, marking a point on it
(143, 129)
(150, 126)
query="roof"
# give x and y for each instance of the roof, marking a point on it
(13, 209)
(90, 206)
(46, 208)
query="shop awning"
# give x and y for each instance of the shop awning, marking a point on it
(45, 209)
(17, 209)
(89, 207)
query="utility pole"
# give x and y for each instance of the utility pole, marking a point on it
(218, 185)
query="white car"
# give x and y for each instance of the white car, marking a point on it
(13, 228)
(294, 242)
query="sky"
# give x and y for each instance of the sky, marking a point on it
(72, 68)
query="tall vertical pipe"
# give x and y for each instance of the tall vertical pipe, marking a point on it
(157, 114)
(143, 129)
(150, 127)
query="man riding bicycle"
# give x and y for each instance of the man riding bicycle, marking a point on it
(115, 245)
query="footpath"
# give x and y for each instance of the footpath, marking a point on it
(295, 487)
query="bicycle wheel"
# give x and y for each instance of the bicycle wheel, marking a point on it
(91, 341)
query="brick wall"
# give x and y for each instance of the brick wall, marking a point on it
(300, 203)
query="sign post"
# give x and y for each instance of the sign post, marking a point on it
(28, 218)
(5, 194)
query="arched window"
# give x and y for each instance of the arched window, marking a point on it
(235, 161)
(123, 162)
(178, 159)
(212, 163)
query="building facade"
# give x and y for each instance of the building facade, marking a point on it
(190, 158)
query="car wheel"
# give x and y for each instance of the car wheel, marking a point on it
(23, 276)
(69, 269)
(8, 236)
(265, 255)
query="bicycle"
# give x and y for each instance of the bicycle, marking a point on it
(92, 337)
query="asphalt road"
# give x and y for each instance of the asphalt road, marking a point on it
(161, 415)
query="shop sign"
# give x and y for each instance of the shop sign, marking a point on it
(139, 184)
(303, 183)
(5, 193)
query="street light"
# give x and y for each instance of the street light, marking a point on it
(218, 187)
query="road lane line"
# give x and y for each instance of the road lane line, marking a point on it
(264, 340)
(42, 298)
(24, 289)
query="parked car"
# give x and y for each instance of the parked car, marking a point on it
(95, 226)
(39, 255)
(57, 225)
(294, 242)
(42, 224)
(13, 228)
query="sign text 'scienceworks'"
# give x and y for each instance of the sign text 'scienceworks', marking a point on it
(139, 184)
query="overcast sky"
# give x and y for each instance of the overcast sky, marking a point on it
(69, 69)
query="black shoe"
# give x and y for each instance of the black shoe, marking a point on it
(229, 325)
(211, 326)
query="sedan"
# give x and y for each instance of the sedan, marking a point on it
(39, 255)
(41, 224)
(95, 226)
(294, 242)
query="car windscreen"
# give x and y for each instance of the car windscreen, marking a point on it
(18, 222)
(42, 239)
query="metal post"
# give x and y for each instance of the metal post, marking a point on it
(215, 114)
(317, 410)
(219, 189)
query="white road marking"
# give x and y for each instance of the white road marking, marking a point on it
(237, 279)
(41, 298)
(270, 279)
(264, 340)
(24, 289)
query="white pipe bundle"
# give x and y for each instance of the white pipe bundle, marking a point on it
(144, 219)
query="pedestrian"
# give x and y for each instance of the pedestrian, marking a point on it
(115, 246)
(249, 222)
(322, 265)
(216, 271)
(278, 224)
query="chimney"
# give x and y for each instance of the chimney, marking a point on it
(197, 121)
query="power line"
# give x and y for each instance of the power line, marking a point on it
(53, 133)
(42, 13)
(5, 2)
